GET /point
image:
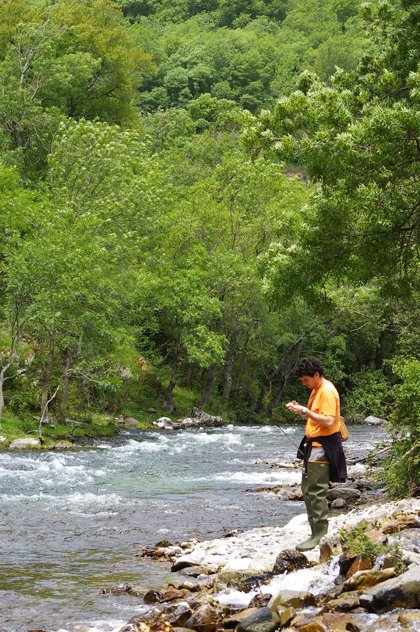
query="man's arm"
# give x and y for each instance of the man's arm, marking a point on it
(322, 420)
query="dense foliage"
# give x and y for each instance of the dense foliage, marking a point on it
(193, 197)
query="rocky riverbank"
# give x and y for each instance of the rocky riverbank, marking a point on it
(364, 576)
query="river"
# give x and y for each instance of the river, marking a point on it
(70, 521)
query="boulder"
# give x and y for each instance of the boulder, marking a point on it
(131, 422)
(366, 579)
(374, 421)
(263, 620)
(293, 598)
(399, 592)
(285, 615)
(205, 619)
(360, 563)
(330, 623)
(164, 423)
(338, 503)
(237, 617)
(344, 603)
(290, 560)
(27, 443)
(346, 493)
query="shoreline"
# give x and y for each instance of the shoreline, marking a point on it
(210, 580)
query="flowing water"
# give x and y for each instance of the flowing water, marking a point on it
(70, 521)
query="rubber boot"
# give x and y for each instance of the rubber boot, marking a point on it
(314, 489)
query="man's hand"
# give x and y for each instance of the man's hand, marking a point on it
(297, 408)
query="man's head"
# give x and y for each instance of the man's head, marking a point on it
(310, 372)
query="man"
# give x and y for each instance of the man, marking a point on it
(321, 448)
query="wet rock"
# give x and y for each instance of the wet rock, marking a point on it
(399, 592)
(263, 620)
(205, 619)
(360, 563)
(178, 614)
(294, 598)
(330, 623)
(180, 564)
(193, 571)
(246, 584)
(346, 493)
(325, 552)
(260, 601)
(366, 579)
(121, 589)
(285, 615)
(374, 421)
(344, 603)
(173, 593)
(27, 443)
(237, 617)
(290, 560)
(152, 596)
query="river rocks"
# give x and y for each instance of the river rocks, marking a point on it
(152, 596)
(374, 421)
(365, 579)
(263, 620)
(238, 617)
(164, 423)
(292, 598)
(400, 592)
(290, 560)
(27, 443)
(197, 419)
(344, 603)
(205, 619)
(346, 493)
(330, 623)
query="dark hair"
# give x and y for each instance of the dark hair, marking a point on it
(309, 366)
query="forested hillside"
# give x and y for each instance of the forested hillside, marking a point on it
(197, 193)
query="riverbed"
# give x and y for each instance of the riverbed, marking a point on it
(71, 520)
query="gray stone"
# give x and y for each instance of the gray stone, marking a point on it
(338, 503)
(164, 423)
(374, 421)
(131, 422)
(263, 620)
(24, 444)
(152, 410)
(347, 493)
(399, 592)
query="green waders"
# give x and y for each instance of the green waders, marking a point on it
(314, 489)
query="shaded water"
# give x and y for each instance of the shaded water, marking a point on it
(70, 520)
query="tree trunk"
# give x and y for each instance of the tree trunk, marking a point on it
(208, 385)
(228, 368)
(1, 394)
(66, 380)
(169, 396)
(47, 370)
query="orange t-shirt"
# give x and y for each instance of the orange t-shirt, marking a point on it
(325, 401)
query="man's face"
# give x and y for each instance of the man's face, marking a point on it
(310, 381)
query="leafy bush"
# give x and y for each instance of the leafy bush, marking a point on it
(368, 395)
(403, 464)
